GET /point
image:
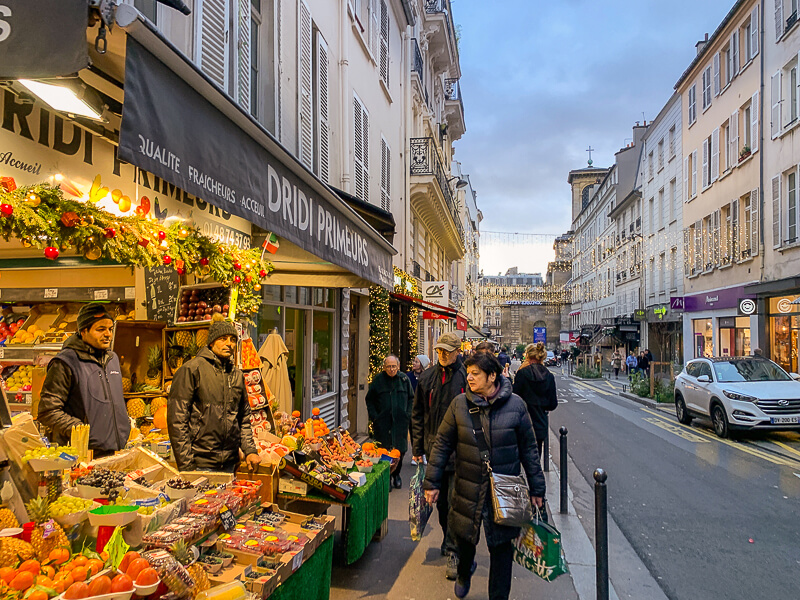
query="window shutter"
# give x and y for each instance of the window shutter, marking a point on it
(212, 40)
(365, 155)
(374, 27)
(715, 155)
(358, 149)
(694, 173)
(754, 222)
(776, 211)
(734, 147)
(735, 53)
(735, 230)
(698, 246)
(384, 43)
(716, 74)
(305, 79)
(686, 179)
(754, 32)
(775, 114)
(706, 152)
(778, 19)
(754, 123)
(243, 55)
(323, 110)
(386, 203)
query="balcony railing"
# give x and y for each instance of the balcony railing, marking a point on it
(435, 6)
(791, 20)
(452, 92)
(418, 67)
(425, 161)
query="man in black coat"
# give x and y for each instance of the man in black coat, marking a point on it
(436, 388)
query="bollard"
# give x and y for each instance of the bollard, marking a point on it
(562, 442)
(601, 532)
(546, 446)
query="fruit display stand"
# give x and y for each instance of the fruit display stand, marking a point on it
(136, 343)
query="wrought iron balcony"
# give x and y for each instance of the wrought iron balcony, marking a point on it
(418, 67)
(435, 6)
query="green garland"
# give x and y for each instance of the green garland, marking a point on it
(378, 329)
(405, 283)
(40, 216)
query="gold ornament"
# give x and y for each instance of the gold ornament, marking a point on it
(26, 244)
(183, 234)
(257, 287)
(93, 252)
(248, 267)
(205, 270)
(33, 199)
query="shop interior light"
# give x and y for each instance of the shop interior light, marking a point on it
(65, 98)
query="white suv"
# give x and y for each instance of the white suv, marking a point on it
(738, 394)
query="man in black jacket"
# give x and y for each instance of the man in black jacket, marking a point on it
(436, 388)
(208, 413)
(84, 385)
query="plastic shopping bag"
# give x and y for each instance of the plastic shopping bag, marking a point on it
(419, 511)
(538, 549)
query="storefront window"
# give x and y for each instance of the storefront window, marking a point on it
(323, 297)
(703, 338)
(269, 318)
(295, 343)
(290, 293)
(322, 354)
(271, 293)
(784, 336)
(734, 336)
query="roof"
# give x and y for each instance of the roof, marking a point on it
(717, 32)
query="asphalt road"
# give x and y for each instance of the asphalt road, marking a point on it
(711, 519)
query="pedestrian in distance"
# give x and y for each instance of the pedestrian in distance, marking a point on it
(435, 391)
(484, 346)
(616, 363)
(421, 362)
(644, 364)
(84, 385)
(536, 385)
(509, 433)
(389, 401)
(504, 360)
(526, 360)
(632, 365)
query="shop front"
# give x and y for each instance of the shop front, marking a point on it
(714, 325)
(783, 329)
(664, 334)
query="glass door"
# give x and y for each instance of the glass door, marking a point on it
(296, 344)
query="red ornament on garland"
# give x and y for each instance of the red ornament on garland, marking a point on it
(110, 232)
(162, 235)
(143, 242)
(7, 210)
(262, 273)
(237, 266)
(248, 279)
(204, 261)
(70, 219)
(180, 271)
(237, 279)
(51, 253)
(167, 259)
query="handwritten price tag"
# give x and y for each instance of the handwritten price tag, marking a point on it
(51, 292)
(101, 294)
(227, 517)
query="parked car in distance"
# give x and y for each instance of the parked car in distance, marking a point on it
(738, 394)
(550, 360)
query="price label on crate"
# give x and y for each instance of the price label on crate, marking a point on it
(50, 293)
(101, 294)
(227, 517)
(68, 457)
(297, 560)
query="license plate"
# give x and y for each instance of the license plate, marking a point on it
(784, 420)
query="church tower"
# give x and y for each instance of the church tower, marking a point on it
(584, 183)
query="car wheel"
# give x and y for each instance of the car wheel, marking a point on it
(720, 421)
(680, 410)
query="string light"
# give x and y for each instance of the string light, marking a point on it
(378, 329)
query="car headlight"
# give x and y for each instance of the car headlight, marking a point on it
(738, 396)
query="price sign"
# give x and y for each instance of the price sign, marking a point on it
(161, 285)
(50, 293)
(227, 517)
(297, 560)
(101, 294)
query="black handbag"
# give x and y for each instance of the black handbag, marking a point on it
(511, 501)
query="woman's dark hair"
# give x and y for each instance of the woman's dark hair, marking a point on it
(485, 347)
(486, 363)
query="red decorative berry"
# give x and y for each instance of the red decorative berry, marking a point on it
(51, 253)
(262, 273)
(162, 235)
(180, 271)
(204, 261)
(167, 259)
(110, 232)
(237, 266)
(6, 209)
(237, 279)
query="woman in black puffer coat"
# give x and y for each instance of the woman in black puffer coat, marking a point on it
(512, 446)
(536, 385)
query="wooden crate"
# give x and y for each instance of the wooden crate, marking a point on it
(132, 339)
(167, 336)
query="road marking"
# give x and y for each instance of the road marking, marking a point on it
(786, 447)
(672, 428)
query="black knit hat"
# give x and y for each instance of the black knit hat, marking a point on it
(219, 328)
(90, 313)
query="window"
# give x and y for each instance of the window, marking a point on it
(255, 27)
(305, 79)
(672, 141)
(726, 161)
(733, 56)
(733, 138)
(662, 273)
(674, 207)
(673, 268)
(692, 113)
(717, 74)
(707, 87)
(746, 131)
(690, 175)
(751, 36)
(386, 170)
(662, 210)
(660, 154)
(652, 216)
(748, 231)
(791, 213)
(361, 149)
(650, 165)
(653, 277)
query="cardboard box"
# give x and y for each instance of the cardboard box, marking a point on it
(269, 482)
(338, 492)
(290, 485)
(198, 286)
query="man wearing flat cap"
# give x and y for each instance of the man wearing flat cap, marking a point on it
(208, 414)
(84, 385)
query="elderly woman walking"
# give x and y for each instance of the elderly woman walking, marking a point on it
(420, 363)
(536, 385)
(511, 442)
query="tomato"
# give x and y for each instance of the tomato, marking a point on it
(22, 581)
(80, 573)
(136, 567)
(122, 583)
(77, 591)
(95, 566)
(147, 576)
(7, 574)
(127, 559)
(100, 585)
(31, 566)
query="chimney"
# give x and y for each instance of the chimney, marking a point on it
(638, 133)
(701, 45)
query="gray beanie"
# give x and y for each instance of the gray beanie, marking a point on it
(220, 328)
(423, 360)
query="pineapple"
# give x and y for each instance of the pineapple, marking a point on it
(184, 555)
(7, 518)
(39, 513)
(175, 358)
(157, 403)
(14, 551)
(192, 348)
(136, 408)
(202, 337)
(127, 380)
(182, 338)
(155, 358)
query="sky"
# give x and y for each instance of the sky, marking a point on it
(541, 81)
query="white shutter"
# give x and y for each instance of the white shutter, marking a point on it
(384, 43)
(212, 40)
(374, 26)
(754, 132)
(776, 211)
(735, 53)
(243, 55)
(715, 154)
(686, 179)
(386, 203)
(754, 32)
(323, 111)
(734, 145)
(305, 83)
(365, 156)
(754, 222)
(778, 19)
(716, 74)
(358, 149)
(706, 157)
(775, 114)
(694, 173)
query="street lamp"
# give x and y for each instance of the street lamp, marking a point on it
(460, 184)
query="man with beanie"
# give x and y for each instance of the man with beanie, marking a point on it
(436, 388)
(84, 385)
(208, 414)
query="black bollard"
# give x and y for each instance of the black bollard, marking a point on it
(564, 486)
(546, 446)
(601, 532)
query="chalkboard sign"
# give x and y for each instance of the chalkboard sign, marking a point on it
(227, 518)
(161, 292)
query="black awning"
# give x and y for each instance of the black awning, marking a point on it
(780, 286)
(381, 220)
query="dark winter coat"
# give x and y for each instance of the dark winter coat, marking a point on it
(389, 406)
(644, 363)
(512, 445)
(208, 414)
(84, 385)
(436, 389)
(503, 358)
(536, 385)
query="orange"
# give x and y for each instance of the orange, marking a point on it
(80, 561)
(48, 571)
(66, 577)
(22, 581)
(95, 566)
(160, 418)
(7, 574)
(59, 586)
(68, 566)
(80, 574)
(104, 556)
(37, 595)
(31, 566)
(44, 581)
(58, 556)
